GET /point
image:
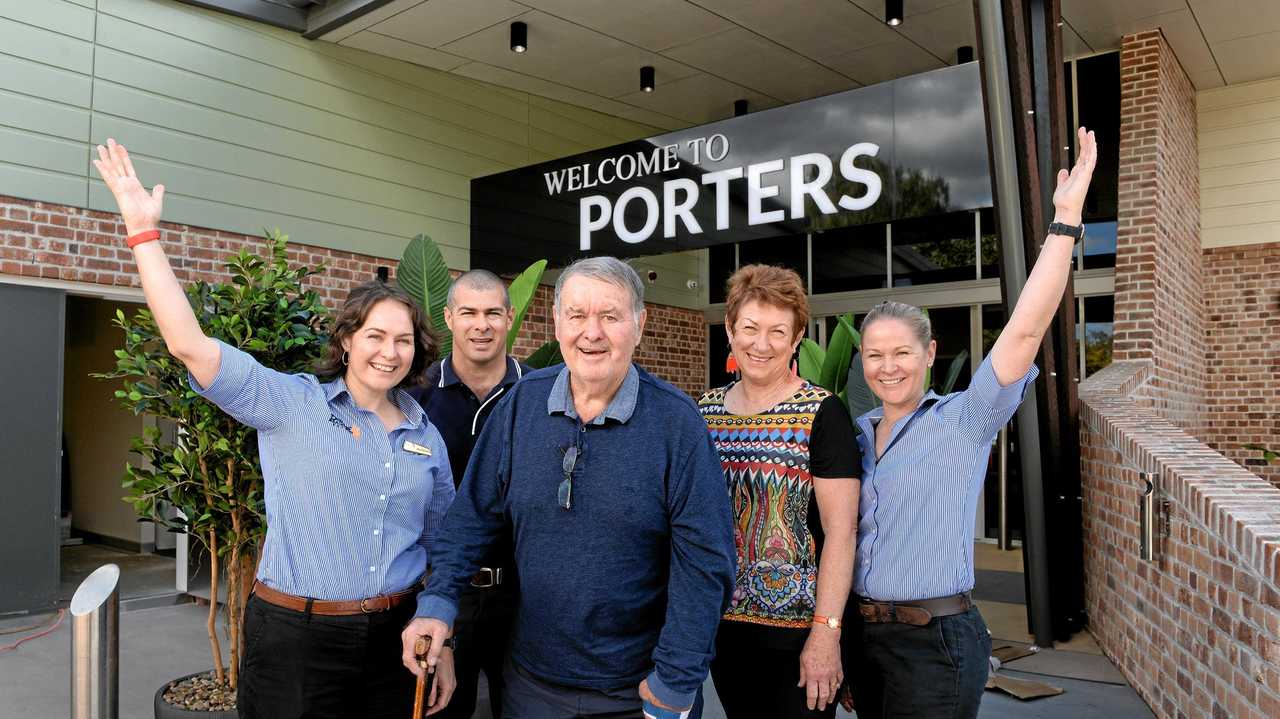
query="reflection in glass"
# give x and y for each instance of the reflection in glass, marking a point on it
(791, 251)
(849, 258)
(1099, 244)
(1098, 90)
(951, 331)
(1098, 332)
(990, 243)
(934, 249)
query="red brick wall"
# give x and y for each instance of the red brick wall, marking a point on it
(1196, 632)
(58, 242)
(1158, 289)
(1242, 313)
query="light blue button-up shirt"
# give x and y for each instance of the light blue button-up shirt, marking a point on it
(351, 510)
(916, 510)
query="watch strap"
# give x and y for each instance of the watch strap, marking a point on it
(831, 622)
(1073, 231)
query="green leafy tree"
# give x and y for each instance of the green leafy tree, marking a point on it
(210, 471)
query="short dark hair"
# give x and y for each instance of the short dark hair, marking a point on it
(355, 310)
(481, 280)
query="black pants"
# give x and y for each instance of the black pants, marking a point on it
(935, 671)
(300, 666)
(483, 629)
(757, 678)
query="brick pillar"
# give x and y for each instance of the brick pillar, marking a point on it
(1159, 313)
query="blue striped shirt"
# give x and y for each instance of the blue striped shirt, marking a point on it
(916, 510)
(351, 510)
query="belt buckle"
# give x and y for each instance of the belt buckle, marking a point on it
(494, 578)
(365, 609)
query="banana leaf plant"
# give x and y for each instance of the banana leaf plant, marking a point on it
(838, 368)
(425, 276)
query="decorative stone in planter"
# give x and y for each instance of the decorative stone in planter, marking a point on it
(196, 696)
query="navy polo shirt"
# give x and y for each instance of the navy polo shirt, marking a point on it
(456, 411)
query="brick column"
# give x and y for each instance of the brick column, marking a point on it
(1159, 312)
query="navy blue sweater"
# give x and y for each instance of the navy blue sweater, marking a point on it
(632, 580)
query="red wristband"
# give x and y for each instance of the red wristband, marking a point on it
(141, 237)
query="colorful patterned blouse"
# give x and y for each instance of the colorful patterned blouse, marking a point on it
(769, 461)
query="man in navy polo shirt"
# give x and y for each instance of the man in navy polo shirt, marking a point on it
(614, 494)
(459, 394)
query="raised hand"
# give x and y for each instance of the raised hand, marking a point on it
(139, 209)
(1068, 198)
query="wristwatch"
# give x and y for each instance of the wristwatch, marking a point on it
(830, 622)
(1075, 232)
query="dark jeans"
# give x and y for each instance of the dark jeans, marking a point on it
(937, 671)
(299, 666)
(528, 697)
(757, 680)
(483, 628)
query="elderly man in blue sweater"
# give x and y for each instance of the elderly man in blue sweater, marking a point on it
(624, 548)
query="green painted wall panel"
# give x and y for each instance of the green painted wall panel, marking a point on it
(62, 17)
(43, 152)
(37, 79)
(265, 49)
(235, 131)
(23, 112)
(268, 81)
(45, 46)
(32, 183)
(196, 151)
(179, 84)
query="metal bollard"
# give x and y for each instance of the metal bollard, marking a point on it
(1147, 519)
(95, 646)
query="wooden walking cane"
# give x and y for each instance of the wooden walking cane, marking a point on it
(425, 680)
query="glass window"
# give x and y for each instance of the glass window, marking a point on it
(990, 243)
(791, 251)
(1098, 90)
(940, 248)
(722, 258)
(951, 331)
(1099, 315)
(849, 258)
(992, 323)
(1099, 244)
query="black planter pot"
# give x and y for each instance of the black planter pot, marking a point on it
(165, 710)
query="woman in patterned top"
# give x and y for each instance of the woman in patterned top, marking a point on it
(792, 462)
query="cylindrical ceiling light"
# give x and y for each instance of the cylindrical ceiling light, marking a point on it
(739, 108)
(519, 37)
(893, 12)
(964, 54)
(646, 78)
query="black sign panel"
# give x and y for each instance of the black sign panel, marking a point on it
(905, 148)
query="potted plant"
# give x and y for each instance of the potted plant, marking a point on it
(210, 471)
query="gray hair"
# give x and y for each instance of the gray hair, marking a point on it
(606, 269)
(481, 280)
(912, 316)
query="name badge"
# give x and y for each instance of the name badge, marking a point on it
(417, 448)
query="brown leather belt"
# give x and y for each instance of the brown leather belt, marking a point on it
(917, 613)
(368, 605)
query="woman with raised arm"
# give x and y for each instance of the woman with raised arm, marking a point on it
(356, 481)
(919, 645)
